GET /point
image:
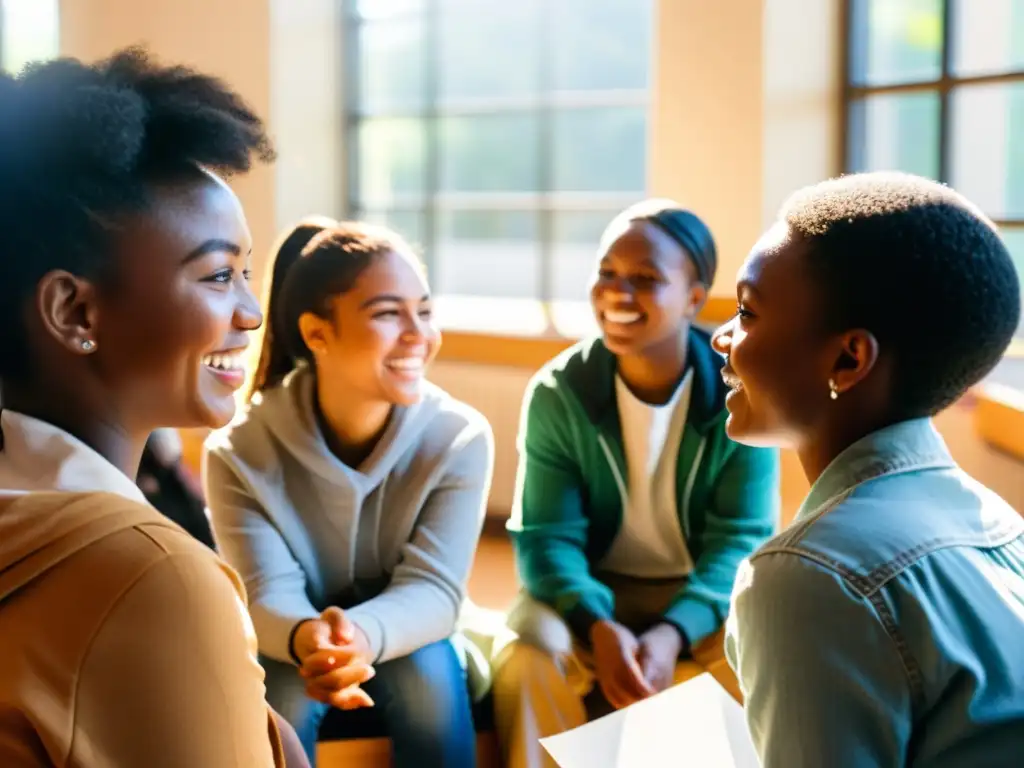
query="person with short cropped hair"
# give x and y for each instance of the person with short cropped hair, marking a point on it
(883, 627)
(123, 297)
(633, 509)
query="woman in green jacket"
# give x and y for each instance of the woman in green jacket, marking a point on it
(633, 509)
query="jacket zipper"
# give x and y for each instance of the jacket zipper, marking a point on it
(610, 458)
(688, 490)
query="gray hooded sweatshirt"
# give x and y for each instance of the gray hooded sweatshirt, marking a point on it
(391, 541)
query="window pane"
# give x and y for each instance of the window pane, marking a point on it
(602, 44)
(988, 36)
(895, 132)
(409, 224)
(30, 32)
(896, 41)
(379, 9)
(488, 50)
(577, 234)
(597, 150)
(988, 147)
(493, 153)
(391, 65)
(487, 253)
(391, 157)
(1014, 239)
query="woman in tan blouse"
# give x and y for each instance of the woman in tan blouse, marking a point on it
(124, 307)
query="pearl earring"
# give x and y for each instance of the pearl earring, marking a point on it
(88, 345)
(833, 390)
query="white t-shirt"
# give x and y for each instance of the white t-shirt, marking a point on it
(650, 542)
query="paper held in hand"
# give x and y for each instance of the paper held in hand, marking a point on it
(695, 724)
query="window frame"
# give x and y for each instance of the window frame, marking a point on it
(544, 202)
(997, 404)
(854, 29)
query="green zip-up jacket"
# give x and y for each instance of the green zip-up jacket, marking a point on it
(568, 504)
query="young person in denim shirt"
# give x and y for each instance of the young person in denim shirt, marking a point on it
(884, 627)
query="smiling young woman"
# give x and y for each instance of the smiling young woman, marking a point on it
(352, 493)
(123, 641)
(633, 509)
(891, 611)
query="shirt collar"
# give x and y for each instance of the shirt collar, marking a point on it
(37, 456)
(903, 447)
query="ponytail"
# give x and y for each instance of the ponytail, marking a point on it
(277, 359)
(315, 262)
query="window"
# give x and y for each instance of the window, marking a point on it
(500, 138)
(936, 87)
(28, 32)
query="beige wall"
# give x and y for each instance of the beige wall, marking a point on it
(283, 56)
(746, 109)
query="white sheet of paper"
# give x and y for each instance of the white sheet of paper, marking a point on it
(694, 724)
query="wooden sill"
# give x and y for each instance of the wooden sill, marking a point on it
(532, 352)
(999, 417)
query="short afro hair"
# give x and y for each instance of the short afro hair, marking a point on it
(80, 146)
(921, 268)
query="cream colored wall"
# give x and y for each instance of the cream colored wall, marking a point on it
(706, 134)
(307, 103)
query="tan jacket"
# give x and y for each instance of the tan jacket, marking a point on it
(123, 641)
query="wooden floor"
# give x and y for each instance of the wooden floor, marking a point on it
(492, 583)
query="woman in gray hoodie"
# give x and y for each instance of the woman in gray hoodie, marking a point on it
(351, 493)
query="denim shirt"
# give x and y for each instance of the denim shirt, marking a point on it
(885, 626)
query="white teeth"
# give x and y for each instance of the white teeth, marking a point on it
(234, 361)
(406, 364)
(732, 382)
(622, 318)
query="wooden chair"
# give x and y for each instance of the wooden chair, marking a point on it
(353, 740)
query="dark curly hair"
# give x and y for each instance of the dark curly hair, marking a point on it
(921, 268)
(80, 147)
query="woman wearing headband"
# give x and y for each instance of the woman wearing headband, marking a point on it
(633, 509)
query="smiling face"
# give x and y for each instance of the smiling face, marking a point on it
(173, 321)
(779, 356)
(645, 292)
(380, 336)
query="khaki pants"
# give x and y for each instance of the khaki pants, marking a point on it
(544, 681)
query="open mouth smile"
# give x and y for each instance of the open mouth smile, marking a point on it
(622, 318)
(408, 368)
(228, 367)
(732, 381)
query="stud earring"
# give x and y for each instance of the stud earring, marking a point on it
(833, 390)
(88, 345)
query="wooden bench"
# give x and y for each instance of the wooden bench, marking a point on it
(355, 739)
(376, 752)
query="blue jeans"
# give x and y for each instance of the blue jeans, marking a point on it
(422, 698)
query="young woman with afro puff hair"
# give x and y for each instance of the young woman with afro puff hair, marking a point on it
(124, 304)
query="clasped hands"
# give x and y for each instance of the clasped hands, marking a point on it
(631, 668)
(335, 660)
